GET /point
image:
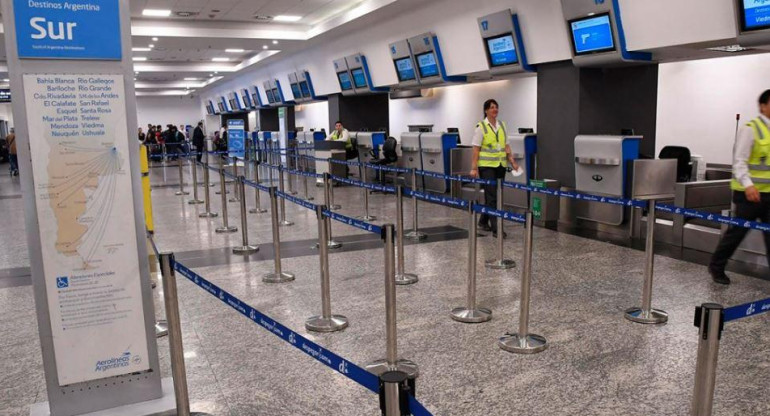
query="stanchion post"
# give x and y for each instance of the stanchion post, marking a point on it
(291, 177)
(195, 200)
(471, 313)
(327, 185)
(646, 314)
(402, 278)
(366, 216)
(258, 209)
(415, 234)
(278, 276)
(709, 318)
(523, 342)
(206, 192)
(394, 393)
(306, 169)
(331, 204)
(326, 322)
(181, 190)
(236, 192)
(391, 361)
(226, 227)
(246, 248)
(175, 334)
(500, 263)
(284, 222)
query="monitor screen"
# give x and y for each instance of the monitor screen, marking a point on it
(426, 63)
(755, 15)
(246, 99)
(359, 79)
(221, 107)
(592, 35)
(233, 105)
(404, 69)
(344, 79)
(295, 91)
(208, 110)
(5, 95)
(305, 88)
(276, 95)
(254, 100)
(270, 98)
(501, 50)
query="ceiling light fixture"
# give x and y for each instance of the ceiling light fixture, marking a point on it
(140, 58)
(235, 50)
(220, 59)
(141, 49)
(275, 42)
(191, 79)
(264, 47)
(6, 80)
(152, 45)
(154, 39)
(286, 18)
(156, 13)
(729, 49)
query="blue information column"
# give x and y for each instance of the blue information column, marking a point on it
(235, 138)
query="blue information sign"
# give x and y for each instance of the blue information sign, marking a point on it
(235, 138)
(72, 29)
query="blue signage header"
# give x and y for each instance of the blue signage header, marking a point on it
(76, 29)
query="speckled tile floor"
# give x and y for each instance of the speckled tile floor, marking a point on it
(597, 363)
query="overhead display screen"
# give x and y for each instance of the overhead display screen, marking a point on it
(755, 14)
(276, 95)
(5, 95)
(426, 63)
(359, 79)
(295, 91)
(254, 100)
(501, 50)
(246, 99)
(592, 35)
(345, 83)
(270, 98)
(305, 89)
(404, 69)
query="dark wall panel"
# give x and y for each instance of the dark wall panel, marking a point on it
(365, 112)
(268, 119)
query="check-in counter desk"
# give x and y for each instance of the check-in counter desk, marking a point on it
(368, 148)
(263, 144)
(306, 143)
(430, 152)
(329, 149)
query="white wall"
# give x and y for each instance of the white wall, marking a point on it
(698, 101)
(6, 113)
(462, 106)
(312, 116)
(168, 110)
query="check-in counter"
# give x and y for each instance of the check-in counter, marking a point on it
(410, 153)
(306, 143)
(369, 148)
(329, 149)
(430, 152)
(263, 143)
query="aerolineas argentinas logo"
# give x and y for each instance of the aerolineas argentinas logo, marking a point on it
(117, 362)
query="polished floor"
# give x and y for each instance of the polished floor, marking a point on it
(597, 363)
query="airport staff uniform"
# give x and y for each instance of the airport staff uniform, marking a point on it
(492, 163)
(751, 167)
(345, 136)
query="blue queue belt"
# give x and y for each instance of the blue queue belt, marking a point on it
(360, 184)
(736, 222)
(747, 309)
(256, 185)
(363, 225)
(437, 199)
(299, 201)
(505, 215)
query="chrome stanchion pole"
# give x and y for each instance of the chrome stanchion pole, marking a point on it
(258, 209)
(226, 227)
(327, 185)
(391, 361)
(523, 342)
(236, 190)
(415, 234)
(366, 216)
(284, 222)
(206, 192)
(181, 190)
(270, 166)
(394, 393)
(245, 248)
(291, 177)
(221, 166)
(326, 322)
(402, 278)
(709, 319)
(306, 169)
(195, 200)
(471, 313)
(278, 276)
(646, 314)
(175, 334)
(500, 262)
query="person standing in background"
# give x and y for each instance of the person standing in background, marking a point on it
(10, 139)
(750, 186)
(142, 137)
(199, 141)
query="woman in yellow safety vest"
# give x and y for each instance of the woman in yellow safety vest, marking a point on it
(491, 158)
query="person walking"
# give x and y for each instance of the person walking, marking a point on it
(199, 141)
(750, 186)
(13, 158)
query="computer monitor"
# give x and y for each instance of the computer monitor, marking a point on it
(426, 64)
(254, 100)
(246, 99)
(755, 15)
(295, 90)
(304, 87)
(221, 107)
(276, 95)
(405, 69)
(209, 111)
(592, 34)
(270, 98)
(345, 83)
(359, 79)
(501, 50)
(233, 104)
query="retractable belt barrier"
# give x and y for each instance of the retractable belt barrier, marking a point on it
(747, 309)
(299, 201)
(438, 199)
(737, 222)
(363, 225)
(505, 215)
(256, 185)
(361, 184)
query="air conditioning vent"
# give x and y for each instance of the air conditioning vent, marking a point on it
(262, 18)
(729, 49)
(186, 14)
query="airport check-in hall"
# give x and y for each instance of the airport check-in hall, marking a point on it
(384, 207)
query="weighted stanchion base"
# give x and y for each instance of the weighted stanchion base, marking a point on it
(195, 202)
(653, 316)
(335, 207)
(530, 344)
(471, 316)
(161, 328)
(332, 245)
(245, 249)
(257, 211)
(320, 324)
(381, 366)
(283, 277)
(500, 264)
(310, 198)
(416, 235)
(220, 192)
(367, 217)
(179, 193)
(208, 215)
(286, 223)
(406, 279)
(234, 200)
(293, 192)
(222, 230)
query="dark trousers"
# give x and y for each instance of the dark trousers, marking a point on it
(490, 193)
(14, 161)
(746, 210)
(198, 153)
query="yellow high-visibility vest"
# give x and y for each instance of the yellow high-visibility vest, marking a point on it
(492, 152)
(759, 165)
(336, 136)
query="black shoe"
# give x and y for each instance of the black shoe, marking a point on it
(505, 235)
(719, 276)
(484, 227)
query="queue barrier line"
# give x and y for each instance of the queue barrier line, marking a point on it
(363, 225)
(299, 201)
(361, 184)
(505, 215)
(747, 309)
(736, 222)
(255, 185)
(456, 178)
(387, 168)
(442, 200)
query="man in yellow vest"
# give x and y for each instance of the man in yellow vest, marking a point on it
(341, 134)
(750, 185)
